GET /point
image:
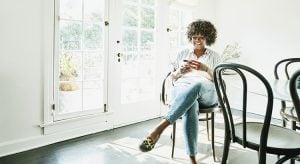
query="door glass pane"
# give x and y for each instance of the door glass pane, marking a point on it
(93, 38)
(92, 94)
(174, 19)
(70, 35)
(93, 10)
(147, 17)
(81, 57)
(71, 9)
(130, 18)
(147, 40)
(148, 2)
(186, 18)
(70, 97)
(130, 39)
(138, 66)
(134, 1)
(178, 22)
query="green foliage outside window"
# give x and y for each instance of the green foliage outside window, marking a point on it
(67, 68)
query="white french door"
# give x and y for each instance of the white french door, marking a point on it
(133, 69)
(80, 60)
(105, 59)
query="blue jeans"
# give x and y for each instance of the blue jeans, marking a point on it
(186, 100)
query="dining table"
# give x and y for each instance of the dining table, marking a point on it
(280, 90)
(279, 87)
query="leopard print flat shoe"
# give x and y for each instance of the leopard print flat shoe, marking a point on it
(148, 144)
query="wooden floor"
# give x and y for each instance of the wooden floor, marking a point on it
(120, 146)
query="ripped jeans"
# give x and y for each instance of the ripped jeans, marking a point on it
(186, 100)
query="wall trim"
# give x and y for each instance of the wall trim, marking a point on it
(16, 146)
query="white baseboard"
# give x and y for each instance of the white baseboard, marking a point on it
(16, 146)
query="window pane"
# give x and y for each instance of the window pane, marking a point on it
(173, 39)
(147, 40)
(184, 40)
(186, 18)
(92, 94)
(147, 18)
(71, 9)
(69, 66)
(148, 2)
(133, 1)
(93, 10)
(70, 35)
(174, 19)
(70, 100)
(130, 16)
(93, 66)
(130, 40)
(129, 58)
(93, 36)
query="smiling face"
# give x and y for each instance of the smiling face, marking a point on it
(198, 41)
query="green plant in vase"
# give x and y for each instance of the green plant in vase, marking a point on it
(68, 73)
(231, 54)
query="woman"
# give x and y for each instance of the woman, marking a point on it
(193, 86)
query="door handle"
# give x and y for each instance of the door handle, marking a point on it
(119, 56)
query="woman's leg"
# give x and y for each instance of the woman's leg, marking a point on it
(206, 97)
(183, 98)
(190, 131)
(154, 135)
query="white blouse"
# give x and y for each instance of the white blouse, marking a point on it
(210, 58)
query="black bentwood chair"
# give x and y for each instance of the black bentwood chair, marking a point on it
(288, 114)
(295, 91)
(260, 136)
(207, 110)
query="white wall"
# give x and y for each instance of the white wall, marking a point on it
(206, 9)
(21, 89)
(267, 30)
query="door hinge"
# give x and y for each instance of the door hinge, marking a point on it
(105, 108)
(53, 106)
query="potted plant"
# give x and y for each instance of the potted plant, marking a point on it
(231, 53)
(68, 73)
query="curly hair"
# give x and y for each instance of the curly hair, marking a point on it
(203, 27)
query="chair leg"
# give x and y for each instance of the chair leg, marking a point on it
(207, 126)
(285, 158)
(294, 125)
(213, 135)
(173, 139)
(283, 123)
(226, 148)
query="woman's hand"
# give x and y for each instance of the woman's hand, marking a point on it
(185, 68)
(193, 64)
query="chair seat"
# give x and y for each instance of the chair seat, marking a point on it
(209, 109)
(279, 138)
(289, 114)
